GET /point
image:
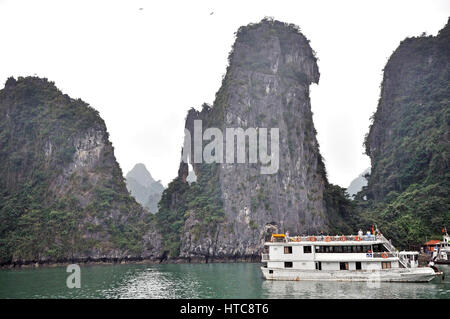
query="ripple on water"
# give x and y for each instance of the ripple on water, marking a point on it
(152, 283)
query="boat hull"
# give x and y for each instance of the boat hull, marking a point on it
(424, 274)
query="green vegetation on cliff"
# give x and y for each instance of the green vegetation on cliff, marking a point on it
(180, 200)
(408, 143)
(62, 193)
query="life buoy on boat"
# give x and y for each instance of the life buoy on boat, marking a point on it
(312, 238)
(385, 255)
(358, 238)
(328, 239)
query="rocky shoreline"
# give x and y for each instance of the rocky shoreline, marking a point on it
(137, 261)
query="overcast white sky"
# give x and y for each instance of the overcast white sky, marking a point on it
(143, 69)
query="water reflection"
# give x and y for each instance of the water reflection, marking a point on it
(153, 283)
(198, 281)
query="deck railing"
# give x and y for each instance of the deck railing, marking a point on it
(394, 251)
(388, 244)
(407, 264)
(327, 238)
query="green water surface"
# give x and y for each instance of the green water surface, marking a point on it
(234, 280)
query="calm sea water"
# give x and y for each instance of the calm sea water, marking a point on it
(241, 280)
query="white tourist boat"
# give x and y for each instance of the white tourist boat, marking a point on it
(442, 254)
(341, 258)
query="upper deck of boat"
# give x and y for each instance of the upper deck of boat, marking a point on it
(339, 240)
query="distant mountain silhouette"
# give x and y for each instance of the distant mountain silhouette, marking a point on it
(143, 187)
(358, 183)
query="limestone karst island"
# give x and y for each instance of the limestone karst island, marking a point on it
(183, 161)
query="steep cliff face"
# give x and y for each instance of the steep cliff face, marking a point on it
(408, 142)
(62, 194)
(409, 134)
(232, 206)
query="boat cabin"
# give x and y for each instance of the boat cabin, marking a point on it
(330, 253)
(410, 257)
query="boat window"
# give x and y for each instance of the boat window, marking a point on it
(321, 249)
(270, 271)
(306, 249)
(288, 249)
(379, 248)
(347, 249)
(288, 264)
(385, 264)
(319, 265)
(343, 266)
(358, 265)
